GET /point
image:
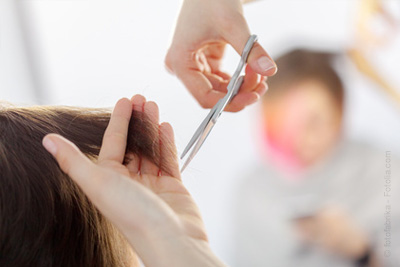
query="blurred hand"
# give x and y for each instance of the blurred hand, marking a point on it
(334, 230)
(203, 29)
(153, 210)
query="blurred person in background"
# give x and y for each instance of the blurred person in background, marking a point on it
(316, 199)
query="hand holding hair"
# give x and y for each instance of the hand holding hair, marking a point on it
(150, 207)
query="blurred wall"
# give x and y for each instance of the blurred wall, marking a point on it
(16, 78)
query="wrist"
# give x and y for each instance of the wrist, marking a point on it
(172, 247)
(181, 251)
(197, 253)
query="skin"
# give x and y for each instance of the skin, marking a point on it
(305, 120)
(153, 210)
(334, 230)
(195, 56)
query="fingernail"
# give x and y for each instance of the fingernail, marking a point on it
(266, 63)
(49, 145)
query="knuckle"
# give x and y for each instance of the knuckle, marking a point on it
(230, 23)
(169, 62)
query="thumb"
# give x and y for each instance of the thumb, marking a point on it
(71, 160)
(258, 59)
(261, 62)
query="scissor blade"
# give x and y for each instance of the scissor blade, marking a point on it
(208, 123)
(198, 145)
(232, 92)
(198, 132)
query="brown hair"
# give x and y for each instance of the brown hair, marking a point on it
(45, 219)
(301, 64)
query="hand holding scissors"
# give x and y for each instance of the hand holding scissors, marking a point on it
(203, 30)
(208, 123)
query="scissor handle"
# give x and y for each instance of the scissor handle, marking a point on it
(234, 84)
(208, 123)
(237, 86)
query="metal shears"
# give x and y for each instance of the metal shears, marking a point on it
(208, 123)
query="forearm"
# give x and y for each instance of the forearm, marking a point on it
(233, 1)
(199, 254)
(180, 252)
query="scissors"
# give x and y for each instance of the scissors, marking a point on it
(208, 123)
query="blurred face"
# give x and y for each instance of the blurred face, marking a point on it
(303, 122)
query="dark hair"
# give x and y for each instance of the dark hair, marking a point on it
(45, 219)
(301, 64)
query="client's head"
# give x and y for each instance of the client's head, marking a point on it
(45, 219)
(303, 107)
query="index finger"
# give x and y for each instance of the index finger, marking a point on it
(115, 137)
(200, 87)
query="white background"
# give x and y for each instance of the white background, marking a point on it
(92, 52)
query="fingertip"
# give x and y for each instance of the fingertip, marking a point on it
(138, 102)
(137, 98)
(151, 109)
(49, 144)
(254, 98)
(264, 65)
(123, 108)
(262, 88)
(257, 97)
(70, 159)
(167, 130)
(151, 105)
(166, 126)
(54, 143)
(124, 101)
(271, 72)
(235, 108)
(261, 62)
(210, 99)
(242, 100)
